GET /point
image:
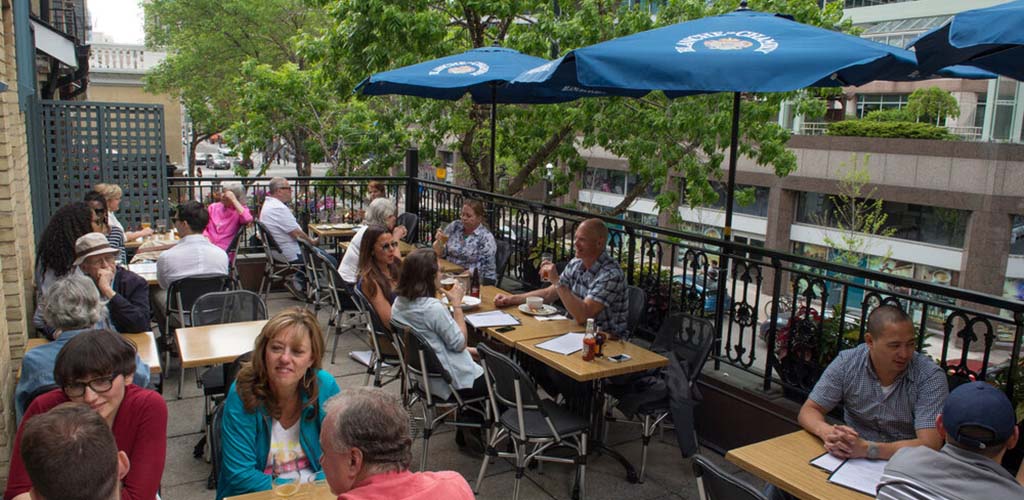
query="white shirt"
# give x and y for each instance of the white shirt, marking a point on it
(192, 256)
(280, 222)
(286, 458)
(349, 268)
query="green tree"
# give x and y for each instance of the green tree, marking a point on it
(932, 105)
(654, 134)
(856, 216)
(208, 43)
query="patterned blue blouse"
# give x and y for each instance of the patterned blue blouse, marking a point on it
(474, 251)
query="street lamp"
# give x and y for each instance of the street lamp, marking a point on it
(548, 177)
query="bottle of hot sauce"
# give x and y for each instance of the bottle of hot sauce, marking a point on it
(590, 341)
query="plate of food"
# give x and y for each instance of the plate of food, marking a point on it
(543, 310)
(468, 301)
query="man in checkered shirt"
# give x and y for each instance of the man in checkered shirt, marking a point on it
(890, 393)
(592, 285)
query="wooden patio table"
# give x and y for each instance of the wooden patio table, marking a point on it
(216, 344)
(144, 342)
(784, 461)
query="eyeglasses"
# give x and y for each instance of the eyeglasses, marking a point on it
(393, 244)
(98, 385)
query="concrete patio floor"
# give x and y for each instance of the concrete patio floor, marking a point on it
(669, 476)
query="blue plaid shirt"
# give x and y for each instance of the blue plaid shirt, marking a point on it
(604, 283)
(916, 399)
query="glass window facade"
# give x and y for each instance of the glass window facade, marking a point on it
(867, 103)
(613, 181)
(1017, 235)
(758, 208)
(934, 225)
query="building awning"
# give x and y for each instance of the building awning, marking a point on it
(55, 44)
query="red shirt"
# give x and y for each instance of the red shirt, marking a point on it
(407, 485)
(140, 430)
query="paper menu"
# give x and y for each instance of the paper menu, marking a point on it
(491, 319)
(143, 268)
(827, 461)
(565, 344)
(859, 474)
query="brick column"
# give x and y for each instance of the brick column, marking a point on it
(17, 247)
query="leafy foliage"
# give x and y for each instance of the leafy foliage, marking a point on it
(889, 115)
(896, 130)
(932, 105)
(856, 215)
(654, 134)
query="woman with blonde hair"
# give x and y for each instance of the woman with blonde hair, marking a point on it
(272, 414)
(117, 236)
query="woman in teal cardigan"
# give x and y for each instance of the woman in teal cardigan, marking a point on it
(272, 414)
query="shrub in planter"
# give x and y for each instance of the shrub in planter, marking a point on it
(886, 129)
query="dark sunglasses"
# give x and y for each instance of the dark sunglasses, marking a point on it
(393, 244)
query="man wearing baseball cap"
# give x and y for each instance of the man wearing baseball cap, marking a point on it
(126, 293)
(979, 425)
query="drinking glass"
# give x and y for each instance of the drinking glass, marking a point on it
(161, 227)
(284, 487)
(146, 225)
(545, 257)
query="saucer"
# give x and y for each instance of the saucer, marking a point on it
(547, 310)
(468, 302)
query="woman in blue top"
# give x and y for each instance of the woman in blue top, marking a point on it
(272, 414)
(418, 308)
(468, 243)
(378, 269)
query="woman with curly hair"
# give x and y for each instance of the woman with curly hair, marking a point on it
(55, 252)
(272, 414)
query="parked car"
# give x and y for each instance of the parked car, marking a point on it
(218, 161)
(710, 295)
(200, 160)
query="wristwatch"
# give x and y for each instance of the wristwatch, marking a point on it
(872, 450)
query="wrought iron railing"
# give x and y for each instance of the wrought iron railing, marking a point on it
(785, 316)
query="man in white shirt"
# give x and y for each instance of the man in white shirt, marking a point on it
(194, 255)
(286, 231)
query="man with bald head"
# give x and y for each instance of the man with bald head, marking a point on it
(592, 285)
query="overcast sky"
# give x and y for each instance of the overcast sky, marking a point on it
(121, 19)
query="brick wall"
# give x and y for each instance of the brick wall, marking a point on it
(17, 248)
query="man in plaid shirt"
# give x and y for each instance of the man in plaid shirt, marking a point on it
(591, 286)
(890, 393)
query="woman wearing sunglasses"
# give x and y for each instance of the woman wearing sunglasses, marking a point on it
(378, 269)
(95, 368)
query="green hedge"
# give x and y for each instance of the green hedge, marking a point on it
(904, 130)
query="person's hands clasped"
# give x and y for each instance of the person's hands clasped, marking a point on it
(844, 442)
(399, 232)
(455, 294)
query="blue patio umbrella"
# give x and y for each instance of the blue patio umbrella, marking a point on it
(741, 51)
(482, 72)
(990, 39)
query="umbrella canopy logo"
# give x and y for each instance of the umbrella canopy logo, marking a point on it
(728, 40)
(471, 68)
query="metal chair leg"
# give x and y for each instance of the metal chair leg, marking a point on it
(583, 466)
(520, 466)
(648, 431)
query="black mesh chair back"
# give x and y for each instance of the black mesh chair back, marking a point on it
(510, 383)
(716, 484)
(230, 306)
(267, 240)
(183, 294)
(690, 338)
(409, 220)
(501, 257)
(422, 362)
(233, 246)
(636, 300)
(383, 346)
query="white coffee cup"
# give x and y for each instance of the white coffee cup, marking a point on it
(535, 303)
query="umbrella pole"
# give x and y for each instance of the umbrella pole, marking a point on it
(723, 265)
(494, 119)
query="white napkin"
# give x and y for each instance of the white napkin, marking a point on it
(552, 317)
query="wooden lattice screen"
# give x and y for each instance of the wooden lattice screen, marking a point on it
(86, 143)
